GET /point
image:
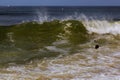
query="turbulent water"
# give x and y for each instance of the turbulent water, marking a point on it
(58, 43)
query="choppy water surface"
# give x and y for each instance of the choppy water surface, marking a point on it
(60, 48)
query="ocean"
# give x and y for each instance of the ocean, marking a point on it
(59, 43)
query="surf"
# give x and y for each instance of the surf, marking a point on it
(67, 42)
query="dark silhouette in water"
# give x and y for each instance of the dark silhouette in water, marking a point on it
(96, 46)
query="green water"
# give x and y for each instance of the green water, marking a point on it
(60, 50)
(23, 42)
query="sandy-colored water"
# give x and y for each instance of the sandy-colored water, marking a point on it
(88, 64)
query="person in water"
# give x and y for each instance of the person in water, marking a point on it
(96, 46)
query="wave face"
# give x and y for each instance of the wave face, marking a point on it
(29, 40)
(38, 32)
(23, 42)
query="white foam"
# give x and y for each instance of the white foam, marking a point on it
(55, 49)
(102, 27)
(10, 36)
(95, 25)
(100, 77)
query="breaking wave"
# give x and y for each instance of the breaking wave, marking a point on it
(63, 46)
(31, 40)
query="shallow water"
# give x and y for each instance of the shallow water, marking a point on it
(86, 64)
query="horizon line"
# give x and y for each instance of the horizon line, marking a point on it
(59, 6)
